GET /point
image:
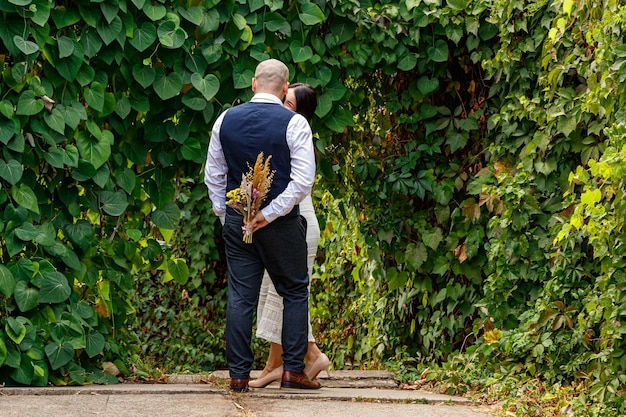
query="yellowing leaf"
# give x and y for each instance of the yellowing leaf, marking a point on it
(591, 197)
(567, 6)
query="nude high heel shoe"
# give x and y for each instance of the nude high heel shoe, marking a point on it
(321, 363)
(274, 375)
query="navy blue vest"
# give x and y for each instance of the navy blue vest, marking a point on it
(250, 128)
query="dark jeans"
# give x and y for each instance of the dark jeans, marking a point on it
(280, 248)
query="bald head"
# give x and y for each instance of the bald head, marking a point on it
(271, 76)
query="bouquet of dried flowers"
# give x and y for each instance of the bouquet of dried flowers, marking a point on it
(247, 199)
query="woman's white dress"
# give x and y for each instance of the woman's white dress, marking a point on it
(270, 308)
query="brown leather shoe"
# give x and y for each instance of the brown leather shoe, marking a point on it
(296, 380)
(239, 385)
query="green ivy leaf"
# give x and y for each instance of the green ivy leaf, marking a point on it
(71, 156)
(109, 31)
(193, 14)
(113, 203)
(212, 53)
(11, 171)
(275, 4)
(13, 244)
(310, 14)
(208, 86)
(144, 36)
(54, 288)
(55, 120)
(122, 107)
(242, 76)
(94, 96)
(194, 101)
(456, 140)
(24, 373)
(64, 17)
(27, 47)
(25, 197)
(454, 33)
(3, 352)
(432, 238)
(15, 330)
(178, 269)
(167, 86)
(336, 90)
(66, 47)
(192, 151)
(102, 176)
(439, 52)
(343, 30)
(152, 251)
(487, 31)
(94, 344)
(70, 259)
(55, 157)
(7, 130)
(276, 23)
(168, 217)
(407, 62)
(92, 150)
(154, 11)
(26, 232)
(68, 67)
(457, 4)
(80, 233)
(256, 4)
(340, 119)
(73, 114)
(126, 179)
(109, 11)
(427, 85)
(91, 43)
(232, 33)
(170, 35)
(7, 283)
(28, 105)
(416, 255)
(69, 329)
(144, 75)
(299, 52)
(179, 132)
(45, 234)
(324, 105)
(59, 354)
(25, 296)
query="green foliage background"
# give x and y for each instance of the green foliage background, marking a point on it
(470, 161)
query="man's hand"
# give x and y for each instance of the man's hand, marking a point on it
(258, 222)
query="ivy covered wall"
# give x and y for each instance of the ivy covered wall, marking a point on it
(447, 134)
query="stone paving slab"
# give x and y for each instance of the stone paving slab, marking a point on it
(207, 395)
(336, 379)
(155, 404)
(272, 391)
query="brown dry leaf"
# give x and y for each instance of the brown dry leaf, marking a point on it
(460, 253)
(110, 368)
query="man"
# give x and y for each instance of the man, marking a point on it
(278, 243)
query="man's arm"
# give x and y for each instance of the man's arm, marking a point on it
(300, 142)
(215, 171)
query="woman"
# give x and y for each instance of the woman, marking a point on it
(300, 98)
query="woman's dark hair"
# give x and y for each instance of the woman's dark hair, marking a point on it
(306, 99)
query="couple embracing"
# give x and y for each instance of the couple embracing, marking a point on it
(279, 243)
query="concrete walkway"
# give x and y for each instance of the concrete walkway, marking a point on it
(346, 393)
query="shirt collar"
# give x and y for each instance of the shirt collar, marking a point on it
(266, 98)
